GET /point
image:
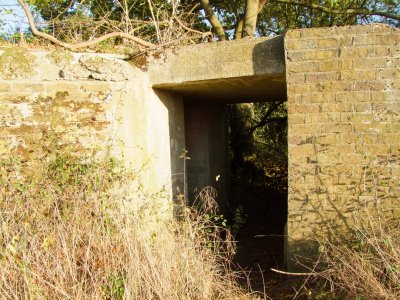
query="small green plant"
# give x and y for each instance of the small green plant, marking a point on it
(19, 37)
(115, 290)
(239, 219)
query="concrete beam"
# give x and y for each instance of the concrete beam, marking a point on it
(247, 70)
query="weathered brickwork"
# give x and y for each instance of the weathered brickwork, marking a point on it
(344, 128)
(41, 117)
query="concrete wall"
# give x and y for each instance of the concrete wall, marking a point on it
(107, 108)
(344, 129)
(250, 70)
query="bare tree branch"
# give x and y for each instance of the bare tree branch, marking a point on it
(204, 34)
(349, 11)
(265, 119)
(65, 10)
(215, 23)
(69, 46)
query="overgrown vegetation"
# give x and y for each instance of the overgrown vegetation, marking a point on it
(367, 266)
(258, 142)
(78, 230)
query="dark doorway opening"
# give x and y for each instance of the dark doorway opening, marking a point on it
(258, 194)
(241, 151)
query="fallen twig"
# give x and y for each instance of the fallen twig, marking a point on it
(294, 274)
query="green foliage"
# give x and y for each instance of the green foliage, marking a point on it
(76, 20)
(276, 18)
(258, 140)
(17, 38)
(115, 290)
(50, 9)
(217, 219)
(239, 218)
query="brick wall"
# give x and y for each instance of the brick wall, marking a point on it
(344, 129)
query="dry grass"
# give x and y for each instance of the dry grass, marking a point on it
(76, 231)
(368, 266)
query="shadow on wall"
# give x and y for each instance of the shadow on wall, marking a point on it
(269, 75)
(340, 202)
(268, 54)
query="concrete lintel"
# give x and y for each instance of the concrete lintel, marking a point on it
(251, 69)
(233, 90)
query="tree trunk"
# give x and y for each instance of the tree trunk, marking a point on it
(250, 18)
(215, 23)
(239, 29)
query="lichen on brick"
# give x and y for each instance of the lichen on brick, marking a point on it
(60, 57)
(16, 63)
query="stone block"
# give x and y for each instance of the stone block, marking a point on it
(297, 88)
(28, 87)
(303, 66)
(333, 86)
(370, 62)
(323, 76)
(318, 32)
(59, 86)
(297, 44)
(304, 108)
(354, 96)
(328, 65)
(321, 54)
(96, 86)
(369, 86)
(5, 86)
(357, 52)
(330, 42)
(297, 118)
(356, 74)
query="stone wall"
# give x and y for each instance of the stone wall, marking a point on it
(344, 129)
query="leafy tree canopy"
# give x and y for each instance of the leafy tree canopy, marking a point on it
(227, 18)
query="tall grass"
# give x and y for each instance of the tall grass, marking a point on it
(80, 230)
(368, 265)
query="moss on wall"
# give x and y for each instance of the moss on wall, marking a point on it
(16, 63)
(60, 57)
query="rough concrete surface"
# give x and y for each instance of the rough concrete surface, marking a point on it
(245, 70)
